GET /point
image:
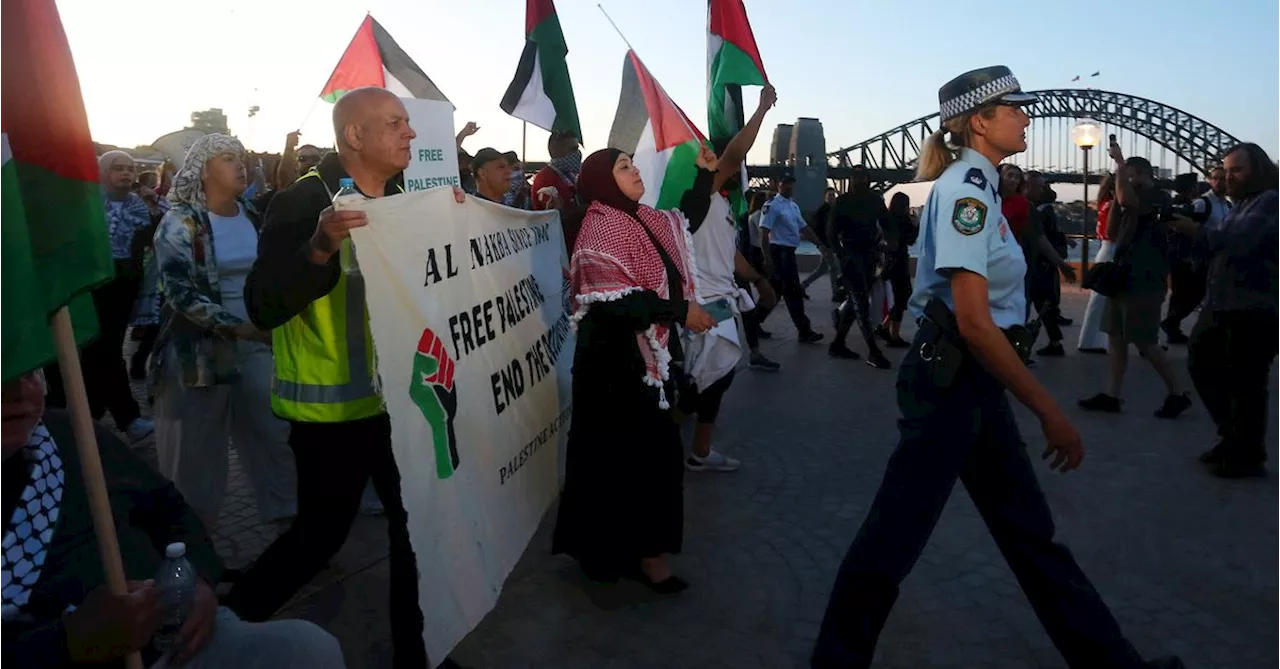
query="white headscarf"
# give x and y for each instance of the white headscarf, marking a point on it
(107, 160)
(188, 184)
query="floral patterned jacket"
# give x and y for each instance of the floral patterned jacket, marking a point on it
(188, 266)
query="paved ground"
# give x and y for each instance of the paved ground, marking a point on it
(1187, 562)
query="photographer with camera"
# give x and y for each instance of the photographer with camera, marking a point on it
(1188, 266)
(1233, 343)
(1132, 316)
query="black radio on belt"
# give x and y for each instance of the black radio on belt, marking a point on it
(944, 350)
(1022, 338)
(941, 347)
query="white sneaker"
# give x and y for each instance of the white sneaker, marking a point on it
(716, 462)
(139, 429)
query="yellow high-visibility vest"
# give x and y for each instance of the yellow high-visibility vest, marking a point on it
(324, 369)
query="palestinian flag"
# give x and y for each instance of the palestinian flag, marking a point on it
(733, 61)
(541, 92)
(374, 59)
(661, 139)
(54, 247)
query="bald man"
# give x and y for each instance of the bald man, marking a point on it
(306, 287)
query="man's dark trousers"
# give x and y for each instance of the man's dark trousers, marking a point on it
(335, 461)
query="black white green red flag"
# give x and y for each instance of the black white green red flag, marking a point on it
(374, 59)
(733, 61)
(661, 139)
(541, 92)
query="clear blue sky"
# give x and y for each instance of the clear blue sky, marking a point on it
(861, 67)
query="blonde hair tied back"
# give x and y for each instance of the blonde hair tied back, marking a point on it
(939, 150)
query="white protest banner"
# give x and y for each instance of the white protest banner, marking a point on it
(434, 159)
(474, 346)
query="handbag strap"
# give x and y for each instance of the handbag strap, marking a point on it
(674, 281)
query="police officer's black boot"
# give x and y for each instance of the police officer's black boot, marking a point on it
(843, 318)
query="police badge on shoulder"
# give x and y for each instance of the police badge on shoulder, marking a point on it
(969, 216)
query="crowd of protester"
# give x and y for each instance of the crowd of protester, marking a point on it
(222, 301)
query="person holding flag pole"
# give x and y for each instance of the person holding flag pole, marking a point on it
(68, 481)
(733, 61)
(713, 356)
(541, 93)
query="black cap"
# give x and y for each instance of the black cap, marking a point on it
(511, 157)
(485, 156)
(786, 179)
(975, 88)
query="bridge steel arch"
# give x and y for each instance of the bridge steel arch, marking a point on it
(1189, 137)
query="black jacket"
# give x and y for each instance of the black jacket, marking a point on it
(855, 220)
(284, 281)
(149, 515)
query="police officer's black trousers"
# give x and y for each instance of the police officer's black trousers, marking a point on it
(786, 283)
(1230, 363)
(968, 433)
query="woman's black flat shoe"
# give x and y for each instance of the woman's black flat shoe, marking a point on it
(671, 586)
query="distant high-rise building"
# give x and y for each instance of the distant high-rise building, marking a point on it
(210, 120)
(808, 160)
(781, 148)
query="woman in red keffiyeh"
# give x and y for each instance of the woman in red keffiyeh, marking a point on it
(632, 277)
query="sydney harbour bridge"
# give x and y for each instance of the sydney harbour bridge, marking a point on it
(1173, 140)
(1165, 135)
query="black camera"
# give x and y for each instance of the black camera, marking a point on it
(1169, 211)
(1183, 209)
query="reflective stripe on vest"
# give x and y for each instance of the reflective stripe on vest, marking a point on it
(309, 348)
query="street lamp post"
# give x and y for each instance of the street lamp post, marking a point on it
(1085, 135)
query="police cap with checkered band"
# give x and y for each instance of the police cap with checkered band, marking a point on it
(972, 90)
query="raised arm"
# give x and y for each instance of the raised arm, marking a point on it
(287, 168)
(1126, 196)
(696, 202)
(736, 152)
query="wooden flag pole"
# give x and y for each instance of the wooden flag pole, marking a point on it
(104, 525)
(524, 144)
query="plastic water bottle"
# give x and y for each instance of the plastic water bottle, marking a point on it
(347, 193)
(343, 199)
(176, 582)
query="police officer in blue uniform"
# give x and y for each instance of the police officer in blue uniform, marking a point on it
(957, 422)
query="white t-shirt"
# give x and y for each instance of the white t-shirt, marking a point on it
(715, 245)
(235, 244)
(753, 226)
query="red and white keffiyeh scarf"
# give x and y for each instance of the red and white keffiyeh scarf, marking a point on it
(613, 257)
